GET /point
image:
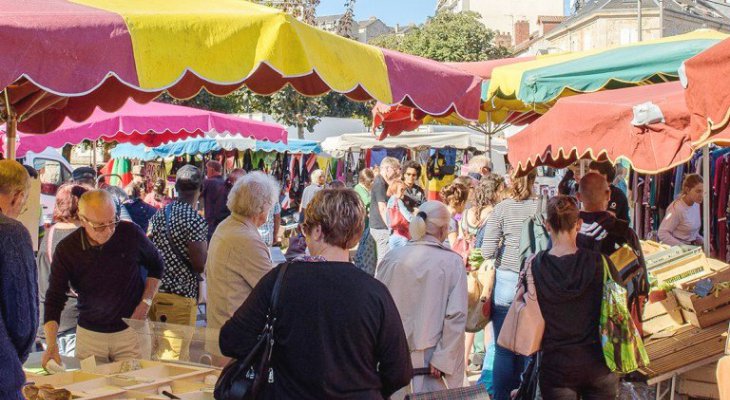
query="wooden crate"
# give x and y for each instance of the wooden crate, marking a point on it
(686, 269)
(662, 315)
(705, 311)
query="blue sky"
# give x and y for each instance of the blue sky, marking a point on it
(390, 11)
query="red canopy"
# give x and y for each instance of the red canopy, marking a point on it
(708, 89)
(400, 118)
(601, 126)
(65, 58)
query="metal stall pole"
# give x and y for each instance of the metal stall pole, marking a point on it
(11, 123)
(706, 198)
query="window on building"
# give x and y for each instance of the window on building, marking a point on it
(629, 35)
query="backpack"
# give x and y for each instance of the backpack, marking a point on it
(534, 236)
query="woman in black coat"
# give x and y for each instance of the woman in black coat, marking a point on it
(338, 334)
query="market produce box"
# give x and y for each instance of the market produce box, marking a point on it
(700, 383)
(649, 247)
(62, 379)
(662, 315)
(148, 371)
(203, 382)
(678, 264)
(710, 309)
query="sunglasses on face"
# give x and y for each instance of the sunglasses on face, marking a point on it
(100, 227)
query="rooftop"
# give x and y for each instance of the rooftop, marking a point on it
(550, 18)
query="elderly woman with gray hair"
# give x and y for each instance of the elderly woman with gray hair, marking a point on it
(428, 283)
(237, 256)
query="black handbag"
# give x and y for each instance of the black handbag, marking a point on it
(242, 379)
(530, 379)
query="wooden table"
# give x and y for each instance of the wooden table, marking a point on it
(686, 349)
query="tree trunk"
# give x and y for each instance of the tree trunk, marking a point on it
(300, 131)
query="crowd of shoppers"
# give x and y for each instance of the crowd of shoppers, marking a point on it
(397, 314)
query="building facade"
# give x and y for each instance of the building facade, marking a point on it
(363, 31)
(502, 15)
(371, 28)
(605, 23)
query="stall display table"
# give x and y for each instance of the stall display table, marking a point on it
(133, 379)
(676, 352)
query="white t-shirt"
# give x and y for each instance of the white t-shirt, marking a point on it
(681, 225)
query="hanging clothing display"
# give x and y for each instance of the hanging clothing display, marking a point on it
(651, 195)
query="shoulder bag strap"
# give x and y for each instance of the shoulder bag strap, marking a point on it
(277, 289)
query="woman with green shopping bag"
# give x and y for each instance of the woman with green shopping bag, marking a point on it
(569, 283)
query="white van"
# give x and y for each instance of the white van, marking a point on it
(53, 170)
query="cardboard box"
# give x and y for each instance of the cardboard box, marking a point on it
(669, 321)
(696, 389)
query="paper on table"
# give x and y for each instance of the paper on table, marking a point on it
(88, 364)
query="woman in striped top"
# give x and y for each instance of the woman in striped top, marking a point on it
(502, 243)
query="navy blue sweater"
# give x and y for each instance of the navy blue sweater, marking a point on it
(107, 278)
(18, 304)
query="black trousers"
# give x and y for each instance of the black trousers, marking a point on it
(588, 382)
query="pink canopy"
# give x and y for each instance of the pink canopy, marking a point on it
(152, 124)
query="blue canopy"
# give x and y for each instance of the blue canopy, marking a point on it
(207, 145)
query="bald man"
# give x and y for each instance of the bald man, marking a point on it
(603, 232)
(101, 261)
(18, 281)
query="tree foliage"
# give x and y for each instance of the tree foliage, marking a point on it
(447, 37)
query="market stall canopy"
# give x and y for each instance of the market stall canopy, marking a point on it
(151, 124)
(339, 145)
(196, 146)
(645, 125)
(64, 58)
(536, 85)
(398, 118)
(707, 94)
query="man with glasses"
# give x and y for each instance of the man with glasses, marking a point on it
(102, 261)
(18, 281)
(415, 196)
(389, 172)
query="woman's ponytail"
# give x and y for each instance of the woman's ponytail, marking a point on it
(417, 228)
(431, 218)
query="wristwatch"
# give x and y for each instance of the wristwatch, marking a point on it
(148, 302)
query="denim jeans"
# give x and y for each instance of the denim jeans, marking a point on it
(508, 366)
(486, 378)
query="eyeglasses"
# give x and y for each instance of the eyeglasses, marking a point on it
(100, 227)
